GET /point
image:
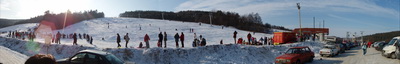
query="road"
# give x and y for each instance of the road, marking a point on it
(8, 56)
(355, 56)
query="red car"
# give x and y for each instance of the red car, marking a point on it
(296, 55)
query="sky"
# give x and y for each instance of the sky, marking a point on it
(340, 16)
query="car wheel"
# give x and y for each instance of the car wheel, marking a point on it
(393, 56)
(297, 62)
(311, 59)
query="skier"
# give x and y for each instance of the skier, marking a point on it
(234, 36)
(118, 40)
(160, 38)
(182, 39)
(165, 39)
(75, 38)
(126, 38)
(176, 40)
(249, 37)
(146, 40)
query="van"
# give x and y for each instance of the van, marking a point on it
(389, 50)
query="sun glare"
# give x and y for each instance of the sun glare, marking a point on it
(31, 8)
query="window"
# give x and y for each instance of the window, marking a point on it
(79, 58)
(92, 59)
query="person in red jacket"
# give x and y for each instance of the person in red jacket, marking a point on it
(182, 39)
(240, 41)
(146, 39)
(369, 44)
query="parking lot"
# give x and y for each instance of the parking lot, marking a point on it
(355, 56)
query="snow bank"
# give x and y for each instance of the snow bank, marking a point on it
(230, 53)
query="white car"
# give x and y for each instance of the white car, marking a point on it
(390, 49)
(329, 50)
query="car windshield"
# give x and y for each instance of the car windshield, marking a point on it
(293, 51)
(113, 59)
(329, 47)
(392, 42)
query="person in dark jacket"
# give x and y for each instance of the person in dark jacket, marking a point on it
(118, 40)
(165, 39)
(58, 35)
(176, 40)
(75, 38)
(91, 40)
(140, 45)
(126, 38)
(182, 39)
(160, 38)
(234, 36)
(203, 41)
(146, 40)
(249, 37)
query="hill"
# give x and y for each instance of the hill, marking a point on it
(387, 36)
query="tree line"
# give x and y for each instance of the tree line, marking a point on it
(381, 36)
(249, 22)
(69, 17)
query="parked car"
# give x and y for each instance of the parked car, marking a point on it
(91, 57)
(379, 46)
(342, 47)
(296, 55)
(389, 50)
(329, 50)
(375, 44)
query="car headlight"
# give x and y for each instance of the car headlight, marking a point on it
(282, 60)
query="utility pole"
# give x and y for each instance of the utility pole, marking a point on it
(313, 38)
(314, 22)
(323, 24)
(362, 39)
(298, 7)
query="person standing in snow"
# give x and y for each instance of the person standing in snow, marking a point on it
(75, 38)
(203, 41)
(80, 36)
(118, 40)
(165, 39)
(234, 36)
(160, 38)
(146, 40)
(176, 40)
(58, 35)
(91, 40)
(249, 37)
(364, 47)
(182, 39)
(140, 45)
(126, 38)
